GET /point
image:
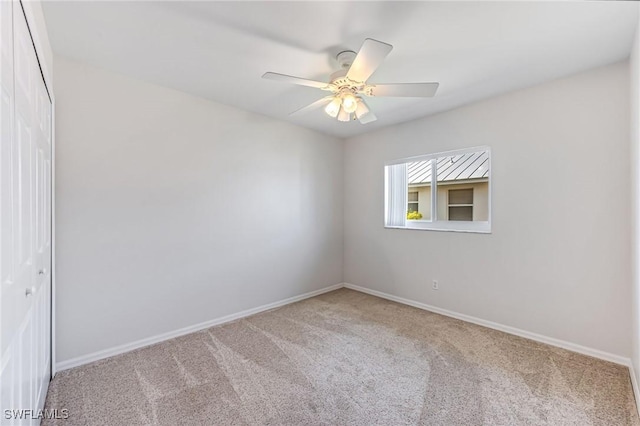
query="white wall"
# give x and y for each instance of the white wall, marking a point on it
(634, 73)
(554, 264)
(173, 210)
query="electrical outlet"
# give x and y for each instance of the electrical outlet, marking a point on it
(435, 285)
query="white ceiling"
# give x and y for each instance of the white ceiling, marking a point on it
(219, 50)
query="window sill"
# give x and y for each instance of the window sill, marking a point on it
(453, 226)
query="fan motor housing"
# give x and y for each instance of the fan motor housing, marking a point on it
(337, 76)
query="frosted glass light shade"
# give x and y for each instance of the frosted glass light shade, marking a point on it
(333, 108)
(344, 115)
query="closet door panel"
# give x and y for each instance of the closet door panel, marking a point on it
(9, 357)
(25, 218)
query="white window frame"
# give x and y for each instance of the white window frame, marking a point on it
(482, 227)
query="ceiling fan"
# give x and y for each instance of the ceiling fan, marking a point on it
(349, 86)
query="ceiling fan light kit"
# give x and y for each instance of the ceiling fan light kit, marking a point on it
(349, 85)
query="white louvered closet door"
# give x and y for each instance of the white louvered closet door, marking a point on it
(25, 220)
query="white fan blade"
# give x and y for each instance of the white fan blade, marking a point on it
(294, 80)
(368, 59)
(410, 90)
(317, 104)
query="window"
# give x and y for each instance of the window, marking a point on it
(461, 204)
(447, 191)
(412, 205)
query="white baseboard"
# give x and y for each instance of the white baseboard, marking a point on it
(617, 359)
(106, 353)
(595, 353)
(85, 359)
(634, 385)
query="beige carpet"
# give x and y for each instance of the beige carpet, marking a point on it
(346, 358)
